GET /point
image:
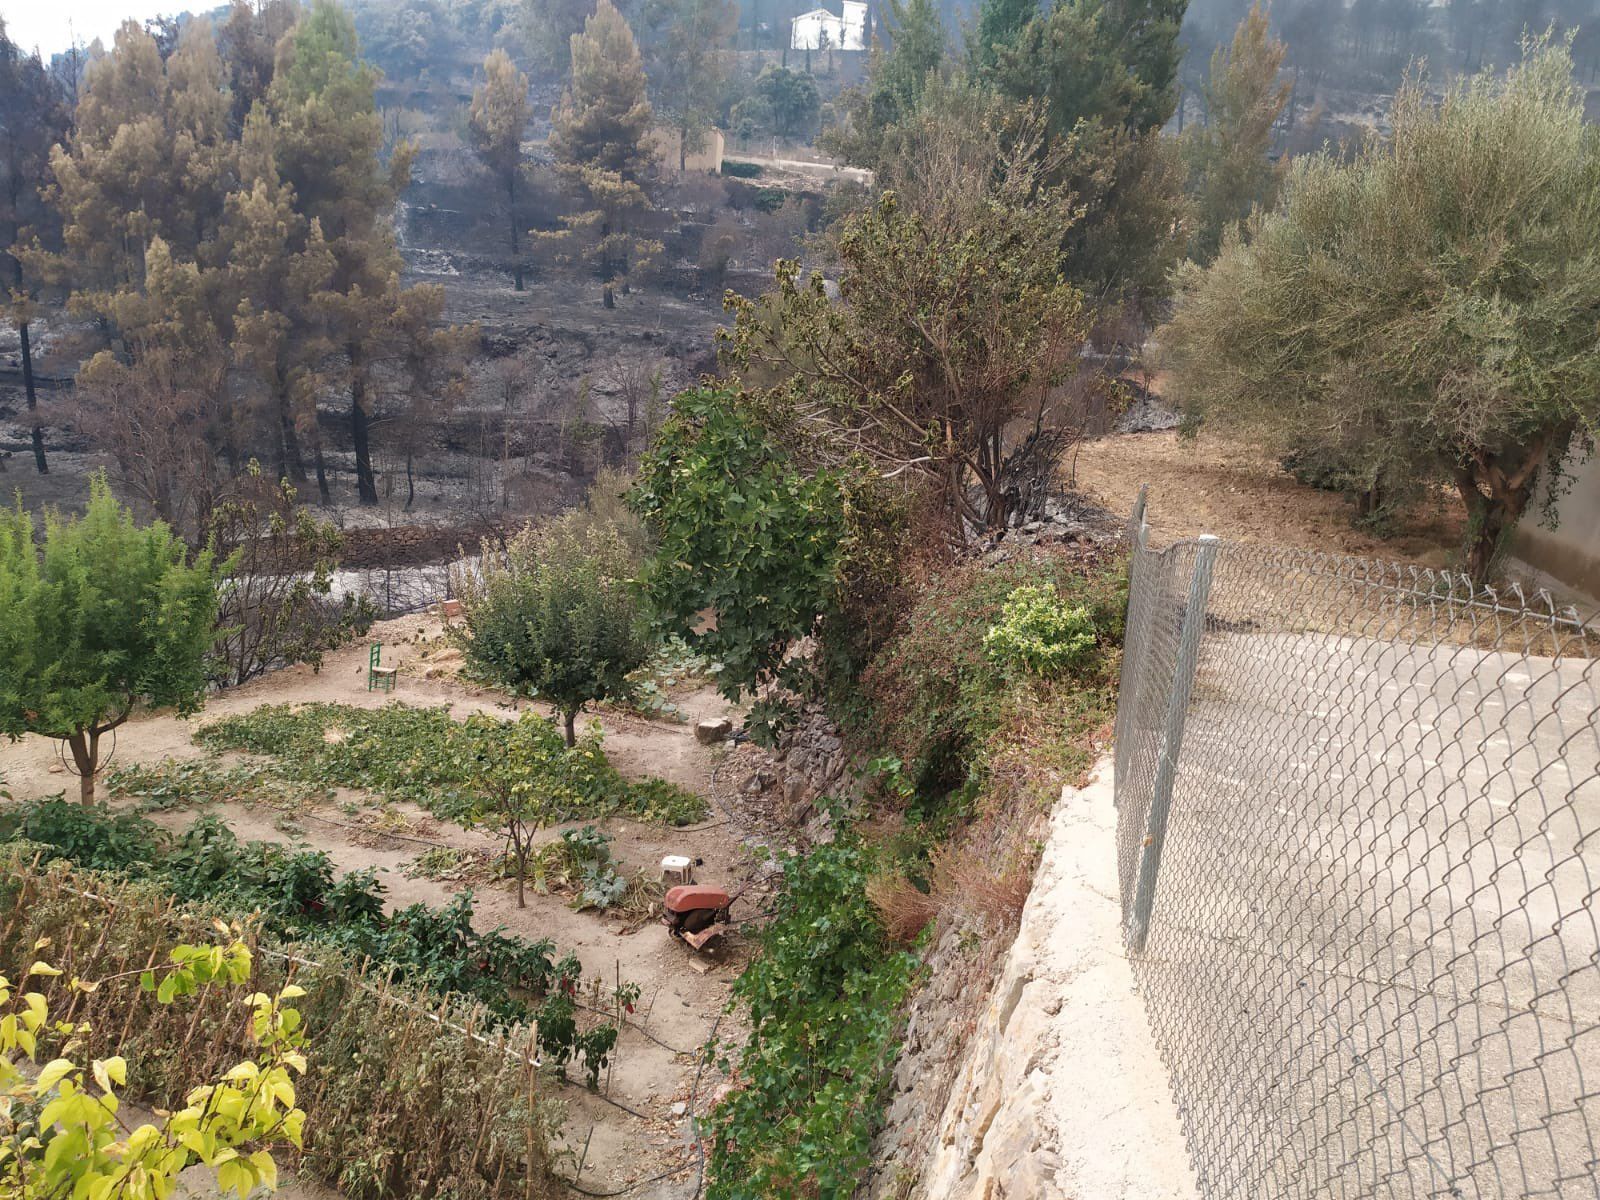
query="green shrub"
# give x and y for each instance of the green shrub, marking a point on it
(937, 695)
(89, 835)
(741, 170)
(557, 618)
(823, 998)
(1039, 632)
(418, 755)
(422, 756)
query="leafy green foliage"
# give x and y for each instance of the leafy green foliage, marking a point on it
(90, 836)
(958, 319)
(422, 756)
(939, 694)
(110, 615)
(1040, 633)
(741, 532)
(62, 1133)
(196, 783)
(666, 803)
(823, 998)
(558, 619)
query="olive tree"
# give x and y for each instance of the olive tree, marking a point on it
(105, 616)
(1425, 313)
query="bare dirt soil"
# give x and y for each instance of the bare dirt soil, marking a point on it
(633, 1130)
(1212, 485)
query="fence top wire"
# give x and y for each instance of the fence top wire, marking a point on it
(1359, 848)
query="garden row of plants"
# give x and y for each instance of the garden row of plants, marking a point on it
(297, 897)
(405, 1096)
(423, 756)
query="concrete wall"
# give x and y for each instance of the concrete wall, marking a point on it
(1060, 1094)
(1570, 552)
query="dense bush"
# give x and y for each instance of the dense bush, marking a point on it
(1039, 632)
(743, 533)
(557, 618)
(823, 999)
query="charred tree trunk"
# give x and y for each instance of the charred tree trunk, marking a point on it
(516, 252)
(324, 493)
(291, 464)
(361, 436)
(33, 400)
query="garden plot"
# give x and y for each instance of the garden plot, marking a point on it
(636, 1126)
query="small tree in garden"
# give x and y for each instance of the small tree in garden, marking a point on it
(524, 778)
(108, 616)
(276, 605)
(60, 1132)
(558, 619)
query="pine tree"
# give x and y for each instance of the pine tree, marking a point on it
(329, 138)
(1229, 171)
(149, 157)
(895, 82)
(600, 135)
(689, 63)
(279, 267)
(604, 118)
(33, 117)
(600, 235)
(499, 114)
(999, 23)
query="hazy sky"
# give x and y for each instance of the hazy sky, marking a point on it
(51, 25)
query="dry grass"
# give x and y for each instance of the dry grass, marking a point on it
(995, 896)
(1215, 485)
(904, 908)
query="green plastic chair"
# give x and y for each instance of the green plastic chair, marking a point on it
(377, 674)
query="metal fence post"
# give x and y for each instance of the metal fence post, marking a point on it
(1194, 623)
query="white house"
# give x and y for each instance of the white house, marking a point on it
(819, 29)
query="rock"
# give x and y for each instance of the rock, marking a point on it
(796, 791)
(712, 730)
(679, 1109)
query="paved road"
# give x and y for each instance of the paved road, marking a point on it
(1374, 960)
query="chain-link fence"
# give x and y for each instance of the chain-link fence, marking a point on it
(1359, 849)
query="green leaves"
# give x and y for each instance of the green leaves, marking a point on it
(64, 1136)
(742, 535)
(1039, 632)
(558, 620)
(823, 998)
(109, 615)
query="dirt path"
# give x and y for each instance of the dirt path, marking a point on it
(654, 1068)
(1214, 485)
